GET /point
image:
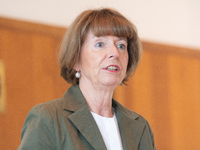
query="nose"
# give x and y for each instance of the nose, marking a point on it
(113, 52)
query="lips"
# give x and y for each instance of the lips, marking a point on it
(112, 68)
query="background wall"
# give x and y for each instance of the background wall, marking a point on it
(165, 88)
(173, 22)
(29, 53)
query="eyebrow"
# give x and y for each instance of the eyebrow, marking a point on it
(120, 38)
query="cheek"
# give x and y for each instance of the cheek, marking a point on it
(97, 59)
(84, 62)
(125, 60)
(125, 64)
(90, 62)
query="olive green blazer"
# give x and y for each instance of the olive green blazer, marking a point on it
(67, 124)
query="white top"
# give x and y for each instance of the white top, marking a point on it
(110, 131)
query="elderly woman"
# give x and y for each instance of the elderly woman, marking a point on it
(100, 51)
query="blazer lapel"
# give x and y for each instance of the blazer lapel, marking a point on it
(131, 130)
(84, 122)
(82, 117)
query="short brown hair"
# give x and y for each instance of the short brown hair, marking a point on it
(101, 22)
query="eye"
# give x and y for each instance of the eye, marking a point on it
(99, 44)
(121, 46)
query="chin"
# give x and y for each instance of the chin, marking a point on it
(112, 82)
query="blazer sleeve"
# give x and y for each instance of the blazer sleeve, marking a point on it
(38, 130)
(147, 140)
(152, 136)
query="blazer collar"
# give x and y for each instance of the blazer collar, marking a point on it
(130, 129)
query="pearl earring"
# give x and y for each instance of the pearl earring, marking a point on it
(77, 74)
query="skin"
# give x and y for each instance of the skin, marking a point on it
(97, 83)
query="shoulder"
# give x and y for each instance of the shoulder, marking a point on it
(51, 110)
(71, 101)
(51, 105)
(42, 118)
(44, 112)
(47, 107)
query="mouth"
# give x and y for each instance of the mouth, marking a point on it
(112, 68)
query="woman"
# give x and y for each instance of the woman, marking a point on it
(100, 51)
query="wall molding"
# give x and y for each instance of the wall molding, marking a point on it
(24, 26)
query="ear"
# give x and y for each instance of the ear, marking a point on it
(76, 66)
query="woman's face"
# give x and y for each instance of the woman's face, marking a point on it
(103, 60)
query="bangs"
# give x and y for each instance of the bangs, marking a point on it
(105, 23)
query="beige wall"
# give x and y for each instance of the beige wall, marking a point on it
(174, 22)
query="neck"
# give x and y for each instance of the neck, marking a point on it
(99, 99)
